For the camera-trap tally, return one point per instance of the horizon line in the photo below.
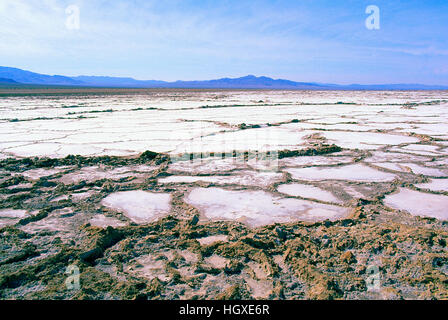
(231, 78)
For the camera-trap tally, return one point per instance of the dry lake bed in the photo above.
(196, 194)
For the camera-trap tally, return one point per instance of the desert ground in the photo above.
(200, 194)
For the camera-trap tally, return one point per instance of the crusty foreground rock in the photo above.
(375, 253)
(316, 261)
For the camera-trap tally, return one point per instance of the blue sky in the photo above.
(309, 40)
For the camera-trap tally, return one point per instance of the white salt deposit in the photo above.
(63, 221)
(97, 173)
(435, 185)
(258, 208)
(211, 165)
(139, 206)
(81, 195)
(188, 179)
(353, 192)
(391, 166)
(36, 174)
(307, 191)
(379, 156)
(354, 172)
(419, 203)
(217, 261)
(245, 178)
(421, 149)
(417, 169)
(313, 161)
(189, 256)
(212, 239)
(365, 140)
(260, 289)
(20, 186)
(261, 139)
(102, 221)
(10, 213)
(160, 125)
(60, 198)
(148, 267)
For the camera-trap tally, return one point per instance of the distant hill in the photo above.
(7, 81)
(248, 82)
(27, 77)
(19, 77)
(116, 82)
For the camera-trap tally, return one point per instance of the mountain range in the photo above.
(18, 77)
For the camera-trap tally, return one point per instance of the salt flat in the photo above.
(94, 125)
(223, 138)
(195, 192)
